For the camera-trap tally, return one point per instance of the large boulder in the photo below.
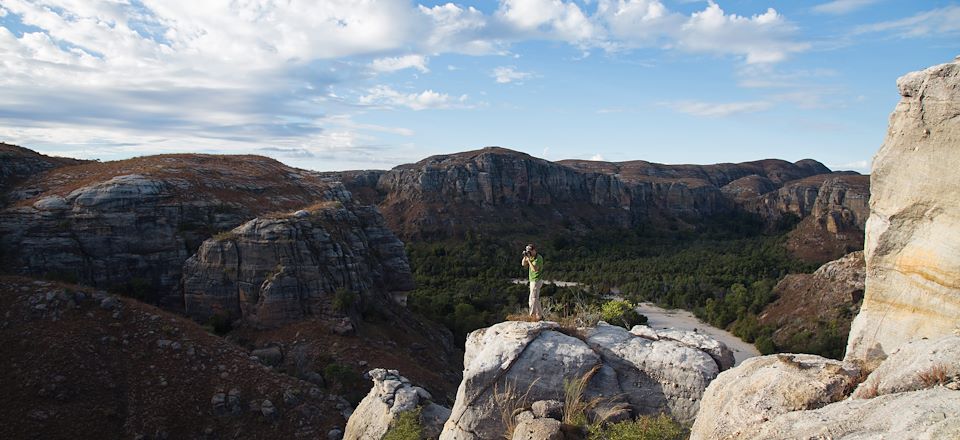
(716, 349)
(510, 365)
(273, 270)
(914, 366)
(764, 387)
(921, 415)
(390, 396)
(912, 240)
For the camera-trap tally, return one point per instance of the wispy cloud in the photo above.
(510, 74)
(393, 64)
(427, 99)
(942, 21)
(838, 7)
(718, 110)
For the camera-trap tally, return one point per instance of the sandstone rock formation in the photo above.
(719, 351)
(909, 311)
(912, 245)
(763, 387)
(391, 395)
(131, 224)
(817, 308)
(453, 193)
(277, 269)
(517, 363)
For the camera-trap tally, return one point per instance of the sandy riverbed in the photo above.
(681, 319)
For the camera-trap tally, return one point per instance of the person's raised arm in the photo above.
(525, 261)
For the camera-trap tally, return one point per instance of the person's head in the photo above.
(532, 249)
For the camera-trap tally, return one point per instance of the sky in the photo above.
(367, 84)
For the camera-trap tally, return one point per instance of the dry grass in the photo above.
(936, 375)
(511, 403)
(521, 317)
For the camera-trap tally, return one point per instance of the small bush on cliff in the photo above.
(622, 313)
(405, 427)
(661, 427)
(219, 324)
(344, 299)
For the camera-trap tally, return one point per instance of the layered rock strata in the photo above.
(273, 270)
(912, 245)
(131, 224)
(515, 362)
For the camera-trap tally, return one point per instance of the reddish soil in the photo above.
(74, 370)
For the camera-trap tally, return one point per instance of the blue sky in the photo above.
(343, 84)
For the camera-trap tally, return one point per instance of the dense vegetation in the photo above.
(723, 272)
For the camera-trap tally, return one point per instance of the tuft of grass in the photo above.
(660, 427)
(622, 313)
(574, 407)
(344, 299)
(405, 427)
(935, 375)
(511, 403)
(521, 317)
(225, 235)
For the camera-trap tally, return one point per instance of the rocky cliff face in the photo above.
(816, 309)
(274, 270)
(912, 245)
(133, 223)
(518, 363)
(494, 187)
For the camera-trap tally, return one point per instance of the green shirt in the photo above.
(535, 274)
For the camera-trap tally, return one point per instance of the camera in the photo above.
(526, 253)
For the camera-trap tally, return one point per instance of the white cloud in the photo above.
(393, 64)
(763, 38)
(862, 166)
(942, 21)
(838, 7)
(509, 74)
(427, 99)
(713, 110)
(597, 157)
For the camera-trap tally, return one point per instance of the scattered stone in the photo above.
(538, 429)
(552, 409)
(271, 356)
(109, 303)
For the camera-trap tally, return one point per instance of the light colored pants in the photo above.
(535, 309)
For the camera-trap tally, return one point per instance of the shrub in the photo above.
(220, 324)
(661, 427)
(346, 381)
(622, 313)
(344, 299)
(511, 403)
(935, 375)
(405, 427)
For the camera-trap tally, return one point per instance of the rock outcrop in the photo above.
(390, 396)
(719, 351)
(487, 188)
(912, 244)
(904, 331)
(131, 224)
(764, 387)
(516, 363)
(813, 311)
(276, 269)
(18, 163)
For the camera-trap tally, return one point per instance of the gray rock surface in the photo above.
(763, 387)
(916, 365)
(538, 429)
(919, 415)
(912, 252)
(270, 271)
(391, 395)
(716, 349)
(514, 364)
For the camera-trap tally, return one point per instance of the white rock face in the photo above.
(391, 395)
(914, 366)
(919, 415)
(534, 360)
(716, 349)
(763, 387)
(913, 233)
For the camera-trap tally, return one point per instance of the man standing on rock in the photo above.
(534, 262)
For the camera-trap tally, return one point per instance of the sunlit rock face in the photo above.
(913, 234)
